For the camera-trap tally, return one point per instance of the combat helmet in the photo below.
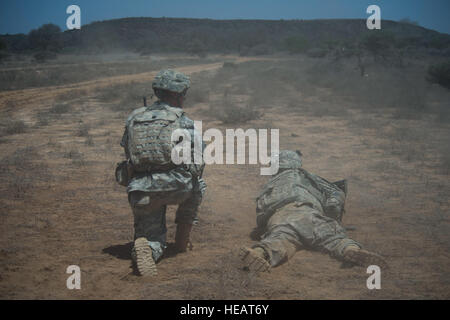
(290, 159)
(171, 80)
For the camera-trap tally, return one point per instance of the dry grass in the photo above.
(125, 97)
(72, 69)
(73, 94)
(77, 157)
(10, 127)
(197, 95)
(44, 117)
(21, 171)
(83, 130)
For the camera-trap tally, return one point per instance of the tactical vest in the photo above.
(298, 185)
(150, 138)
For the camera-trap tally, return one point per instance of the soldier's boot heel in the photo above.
(143, 257)
(254, 260)
(365, 258)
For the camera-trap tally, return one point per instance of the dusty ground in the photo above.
(60, 206)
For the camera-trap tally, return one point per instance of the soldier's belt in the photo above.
(158, 169)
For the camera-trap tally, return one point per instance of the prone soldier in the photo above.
(300, 210)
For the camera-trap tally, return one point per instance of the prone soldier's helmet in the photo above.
(289, 159)
(171, 80)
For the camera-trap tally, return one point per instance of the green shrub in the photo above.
(228, 64)
(46, 38)
(438, 41)
(378, 43)
(235, 114)
(317, 52)
(198, 48)
(440, 74)
(230, 112)
(59, 108)
(44, 56)
(296, 44)
(4, 56)
(83, 130)
(257, 50)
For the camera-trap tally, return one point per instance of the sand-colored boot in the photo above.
(182, 236)
(254, 259)
(142, 256)
(363, 257)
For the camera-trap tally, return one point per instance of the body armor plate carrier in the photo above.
(150, 138)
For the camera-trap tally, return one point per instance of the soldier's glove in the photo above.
(124, 172)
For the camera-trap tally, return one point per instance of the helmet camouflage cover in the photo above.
(289, 159)
(171, 80)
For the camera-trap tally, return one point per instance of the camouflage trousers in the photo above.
(299, 226)
(149, 210)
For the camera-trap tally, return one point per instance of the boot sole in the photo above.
(144, 259)
(365, 258)
(252, 261)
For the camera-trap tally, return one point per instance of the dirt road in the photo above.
(40, 95)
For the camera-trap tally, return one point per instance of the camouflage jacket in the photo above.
(298, 185)
(180, 177)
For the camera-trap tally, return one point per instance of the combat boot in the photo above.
(142, 256)
(363, 258)
(254, 259)
(182, 236)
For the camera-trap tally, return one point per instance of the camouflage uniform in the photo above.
(149, 193)
(297, 210)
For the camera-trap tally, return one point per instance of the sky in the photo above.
(21, 16)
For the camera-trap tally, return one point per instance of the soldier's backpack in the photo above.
(150, 137)
(286, 187)
(300, 186)
(334, 196)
